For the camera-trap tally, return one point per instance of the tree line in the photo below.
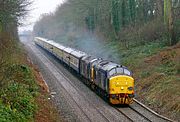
(114, 19)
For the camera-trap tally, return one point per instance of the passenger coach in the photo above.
(110, 80)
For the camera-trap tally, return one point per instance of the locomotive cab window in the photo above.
(119, 70)
(112, 72)
(127, 72)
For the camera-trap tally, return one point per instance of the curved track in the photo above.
(151, 115)
(86, 105)
(132, 114)
(139, 112)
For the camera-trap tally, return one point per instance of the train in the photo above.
(110, 80)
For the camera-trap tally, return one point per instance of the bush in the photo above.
(9, 115)
(17, 102)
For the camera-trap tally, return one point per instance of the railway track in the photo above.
(138, 106)
(72, 91)
(89, 110)
(133, 115)
(139, 112)
(130, 113)
(130, 119)
(99, 111)
(135, 112)
(102, 110)
(73, 103)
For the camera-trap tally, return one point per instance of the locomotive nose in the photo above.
(121, 89)
(121, 84)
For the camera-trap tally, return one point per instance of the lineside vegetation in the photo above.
(140, 32)
(19, 92)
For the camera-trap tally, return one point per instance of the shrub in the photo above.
(17, 96)
(18, 102)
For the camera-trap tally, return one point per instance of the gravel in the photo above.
(74, 100)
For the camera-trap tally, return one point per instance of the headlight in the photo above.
(130, 88)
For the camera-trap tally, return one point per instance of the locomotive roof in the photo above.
(110, 66)
(107, 65)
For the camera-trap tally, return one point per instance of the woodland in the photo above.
(143, 35)
(130, 22)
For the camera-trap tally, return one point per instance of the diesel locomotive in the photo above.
(112, 81)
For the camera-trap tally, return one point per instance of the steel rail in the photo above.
(76, 90)
(136, 101)
(57, 83)
(124, 114)
(151, 111)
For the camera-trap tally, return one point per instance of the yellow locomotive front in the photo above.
(121, 89)
(121, 86)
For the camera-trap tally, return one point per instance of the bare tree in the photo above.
(169, 21)
(11, 11)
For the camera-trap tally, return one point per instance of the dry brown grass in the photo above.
(159, 87)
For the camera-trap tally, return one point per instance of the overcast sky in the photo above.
(39, 7)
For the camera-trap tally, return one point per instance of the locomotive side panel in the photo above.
(100, 79)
